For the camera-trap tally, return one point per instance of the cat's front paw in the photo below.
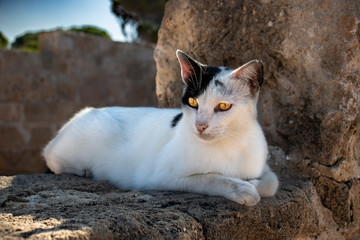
(244, 194)
(255, 182)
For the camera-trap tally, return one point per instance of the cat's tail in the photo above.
(52, 161)
(58, 164)
(64, 154)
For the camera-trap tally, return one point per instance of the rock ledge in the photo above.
(47, 206)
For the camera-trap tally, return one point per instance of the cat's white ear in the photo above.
(190, 69)
(252, 73)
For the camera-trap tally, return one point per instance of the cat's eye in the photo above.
(193, 102)
(223, 106)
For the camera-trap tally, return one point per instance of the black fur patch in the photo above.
(48, 171)
(218, 83)
(176, 119)
(195, 89)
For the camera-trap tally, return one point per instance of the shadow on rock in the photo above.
(63, 206)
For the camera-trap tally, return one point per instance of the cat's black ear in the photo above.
(252, 73)
(190, 69)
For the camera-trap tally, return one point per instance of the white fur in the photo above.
(136, 148)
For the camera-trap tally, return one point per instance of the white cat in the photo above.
(213, 145)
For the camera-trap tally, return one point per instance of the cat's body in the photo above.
(201, 148)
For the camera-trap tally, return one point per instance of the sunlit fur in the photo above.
(137, 148)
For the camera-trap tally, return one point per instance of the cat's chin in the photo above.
(207, 137)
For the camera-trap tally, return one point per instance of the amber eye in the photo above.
(193, 102)
(223, 106)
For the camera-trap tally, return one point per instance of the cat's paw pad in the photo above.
(245, 194)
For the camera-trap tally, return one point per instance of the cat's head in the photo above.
(219, 102)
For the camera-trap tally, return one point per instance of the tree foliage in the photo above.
(146, 15)
(29, 41)
(91, 30)
(3, 41)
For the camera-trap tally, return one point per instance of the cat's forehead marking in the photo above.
(224, 87)
(195, 89)
(218, 83)
(221, 84)
(219, 87)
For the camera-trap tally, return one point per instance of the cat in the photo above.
(213, 145)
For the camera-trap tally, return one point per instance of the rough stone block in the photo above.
(48, 112)
(22, 78)
(22, 160)
(81, 208)
(40, 136)
(309, 102)
(39, 91)
(10, 112)
(11, 137)
(310, 96)
(67, 89)
(6, 167)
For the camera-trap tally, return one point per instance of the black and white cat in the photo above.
(213, 145)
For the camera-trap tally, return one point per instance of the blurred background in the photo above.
(119, 20)
(57, 57)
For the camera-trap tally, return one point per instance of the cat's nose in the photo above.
(201, 127)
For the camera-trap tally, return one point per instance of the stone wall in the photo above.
(310, 100)
(40, 91)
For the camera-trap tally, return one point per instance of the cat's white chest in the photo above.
(184, 156)
(231, 161)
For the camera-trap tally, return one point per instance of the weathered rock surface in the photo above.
(48, 206)
(310, 99)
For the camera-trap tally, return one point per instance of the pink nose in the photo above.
(201, 127)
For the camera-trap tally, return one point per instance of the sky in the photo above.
(20, 16)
